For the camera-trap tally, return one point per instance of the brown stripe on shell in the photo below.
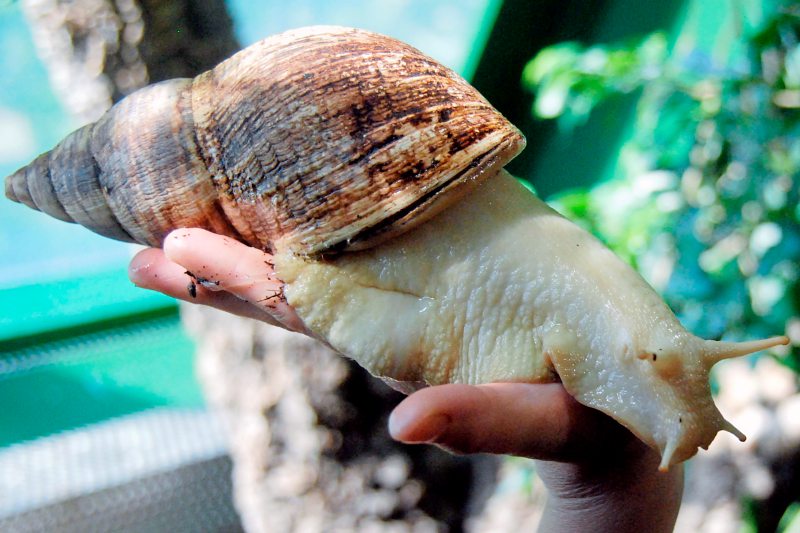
(154, 177)
(43, 194)
(235, 170)
(76, 181)
(351, 128)
(127, 151)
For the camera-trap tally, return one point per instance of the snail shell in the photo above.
(314, 140)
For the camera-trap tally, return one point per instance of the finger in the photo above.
(150, 269)
(221, 263)
(538, 421)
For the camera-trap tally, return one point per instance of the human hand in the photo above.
(599, 476)
(201, 267)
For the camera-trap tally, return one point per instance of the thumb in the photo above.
(540, 421)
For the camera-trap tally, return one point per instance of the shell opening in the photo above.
(483, 166)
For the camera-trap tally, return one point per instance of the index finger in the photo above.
(221, 263)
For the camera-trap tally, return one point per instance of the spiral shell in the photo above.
(315, 140)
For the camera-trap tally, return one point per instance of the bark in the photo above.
(90, 49)
(309, 436)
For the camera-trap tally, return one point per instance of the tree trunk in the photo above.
(309, 437)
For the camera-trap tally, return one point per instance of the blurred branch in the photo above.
(97, 51)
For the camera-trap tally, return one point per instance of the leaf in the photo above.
(548, 62)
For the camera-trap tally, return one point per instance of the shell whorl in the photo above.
(316, 139)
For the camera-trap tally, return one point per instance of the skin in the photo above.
(599, 476)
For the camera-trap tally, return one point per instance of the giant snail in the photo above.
(375, 175)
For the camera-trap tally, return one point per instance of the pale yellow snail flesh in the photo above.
(500, 287)
(375, 176)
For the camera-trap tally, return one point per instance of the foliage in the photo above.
(790, 523)
(571, 81)
(705, 202)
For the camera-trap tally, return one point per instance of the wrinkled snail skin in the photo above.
(500, 287)
(375, 176)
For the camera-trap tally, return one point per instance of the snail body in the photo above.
(500, 287)
(375, 177)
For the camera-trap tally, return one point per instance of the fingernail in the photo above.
(405, 429)
(135, 271)
(175, 242)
